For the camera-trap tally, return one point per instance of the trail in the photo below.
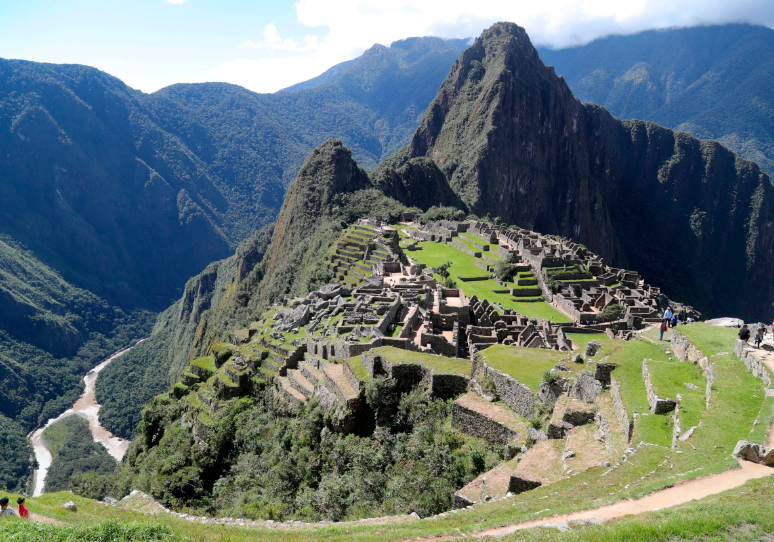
(698, 488)
(87, 407)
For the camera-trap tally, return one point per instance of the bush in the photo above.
(612, 312)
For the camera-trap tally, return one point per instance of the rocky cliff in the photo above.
(513, 141)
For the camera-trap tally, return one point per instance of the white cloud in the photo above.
(272, 40)
(355, 25)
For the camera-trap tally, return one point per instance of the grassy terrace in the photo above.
(741, 513)
(355, 363)
(527, 365)
(669, 378)
(439, 364)
(709, 339)
(628, 373)
(583, 339)
(463, 265)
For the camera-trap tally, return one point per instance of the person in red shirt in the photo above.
(23, 512)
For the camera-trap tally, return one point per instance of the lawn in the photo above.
(438, 364)
(356, 364)
(527, 365)
(710, 339)
(463, 265)
(669, 378)
(583, 339)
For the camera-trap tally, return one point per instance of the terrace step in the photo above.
(336, 378)
(289, 390)
(299, 382)
(474, 415)
(312, 373)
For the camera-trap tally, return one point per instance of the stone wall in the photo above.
(386, 320)
(439, 344)
(753, 361)
(626, 422)
(516, 395)
(476, 424)
(350, 376)
(445, 386)
(685, 350)
(657, 404)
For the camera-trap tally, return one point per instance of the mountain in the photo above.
(330, 192)
(714, 82)
(111, 199)
(128, 195)
(511, 140)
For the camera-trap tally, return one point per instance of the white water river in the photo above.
(87, 407)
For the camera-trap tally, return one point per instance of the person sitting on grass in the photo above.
(23, 512)
(5, 510)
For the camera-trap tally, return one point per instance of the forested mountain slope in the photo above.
(128, 195)
(513, 141)
(714, 82)
(330, 192)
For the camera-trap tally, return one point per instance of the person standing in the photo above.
(759, 333)
(668, 313)
(23, 512)
(662, 329)
(5, 510)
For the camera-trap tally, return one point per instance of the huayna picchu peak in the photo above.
(493, 327)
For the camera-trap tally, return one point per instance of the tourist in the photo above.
(759, 333)
(6, 510)
(663, 329)
(23, 512)
(674, 320)
(744, 333)
(668, 314)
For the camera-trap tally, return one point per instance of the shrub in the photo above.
(612, 312)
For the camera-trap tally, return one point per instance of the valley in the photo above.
(418, 296)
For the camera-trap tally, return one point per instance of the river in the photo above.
(87, 407)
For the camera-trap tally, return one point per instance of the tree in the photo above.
(443, 272)
(612, 312)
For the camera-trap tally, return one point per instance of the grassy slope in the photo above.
(463, 265)
(439, 364)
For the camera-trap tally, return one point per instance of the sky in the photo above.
(269, 45)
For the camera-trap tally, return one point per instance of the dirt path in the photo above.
(690, 490)
(87, 407)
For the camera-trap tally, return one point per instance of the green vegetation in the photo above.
(527, 365)
(627, 75)
(711, 340)
(436, 254)
(74, 452)
(439, 364)
(612, 312)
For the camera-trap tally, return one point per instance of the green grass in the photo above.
(395, 332)
(439, 364)
(709, 339)
(206, 362)
(628, 358)
(356, 364)
(760, 432)
(583, 339)
(436, 254)
(669, 378)
(527, 365)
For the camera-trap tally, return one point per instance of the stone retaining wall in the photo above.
(519, 397)
(685, 350)
(476, 424)
(620, 410)
(657, 404)
(753, 361)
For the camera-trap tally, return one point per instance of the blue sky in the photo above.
(268, 45)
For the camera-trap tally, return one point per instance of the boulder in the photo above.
(602, 372)
(298, 317)
(592, 348)
(725, 322)
(577, 358)
(110, 501)
(329, 291)
(549, 393)
(757, 453)
(587, 388)
(70, 505)
(536, 435)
